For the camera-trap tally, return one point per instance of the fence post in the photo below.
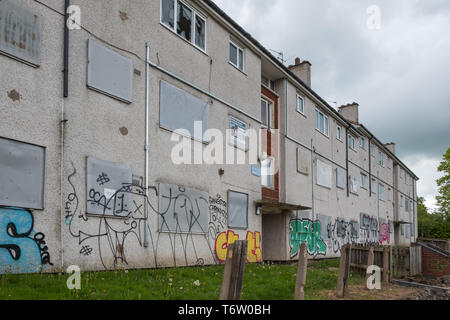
(301, 273)
(386, 264)
(344, 270)
(370, 260)
(233, 275)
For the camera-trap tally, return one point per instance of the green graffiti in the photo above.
(439, 265)
(306, 231)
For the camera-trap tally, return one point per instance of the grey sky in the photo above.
(399, 74)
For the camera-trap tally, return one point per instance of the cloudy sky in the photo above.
(399, 73)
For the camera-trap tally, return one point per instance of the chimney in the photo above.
(350, 112)
(391, 146)
(302, 70)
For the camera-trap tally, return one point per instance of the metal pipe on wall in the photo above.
(147, 147)
(66, 50)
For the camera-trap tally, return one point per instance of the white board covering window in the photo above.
(340, 178)
(237, 210)
(303, 161)
(324, 174)
(354, 185)
(182, 210)
(381, 192)
(181, 110)
(22, 174)
(109, 72)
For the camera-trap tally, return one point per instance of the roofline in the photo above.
(286, 70)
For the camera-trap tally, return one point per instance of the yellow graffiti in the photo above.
(224, 239)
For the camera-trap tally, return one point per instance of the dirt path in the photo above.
(387, 292)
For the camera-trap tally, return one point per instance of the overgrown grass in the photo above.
(261, 281)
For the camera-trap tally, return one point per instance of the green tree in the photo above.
(443, 198)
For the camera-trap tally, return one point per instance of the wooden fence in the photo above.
(360, 257)
(406, 261)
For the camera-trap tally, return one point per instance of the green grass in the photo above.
(261, 281)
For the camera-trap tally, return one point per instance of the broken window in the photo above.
(237, 132)
(168, 13)
(200, 32)
(363, 181)
(354, 185)
(237, 210)
(184, 21)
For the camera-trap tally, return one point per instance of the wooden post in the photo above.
(301, 273)
(344, 270)
(386, 264)
(370, 261)
(233, 275)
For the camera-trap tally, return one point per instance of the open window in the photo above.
(185, 21)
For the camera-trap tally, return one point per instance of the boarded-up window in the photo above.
(325, 221)
(237, 210)
(324, 174)
(354, 184)
(107, 192)
(109, 72)
(20, 33)
(182, 210)
(340, 178)
(22, 174)
(303, 161)
(181, 110)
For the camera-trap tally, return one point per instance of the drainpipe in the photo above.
(147, 147)
(65, 94)
(66, 50)
(346, 160)
(312, 181)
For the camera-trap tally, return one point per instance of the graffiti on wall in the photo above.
(341, 232)
(370, 232)
(385, 233)
(218, 216)
(224, 239)
(309, 232)
(22, 250)
(111, 238)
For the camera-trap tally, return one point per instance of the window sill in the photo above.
(185, 40)
(302, 113)
(322, 133)
(241, 71)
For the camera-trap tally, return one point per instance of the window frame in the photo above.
(339, 130)
(238, 49)
(363, 185)
(235, 140)
(271, 161)
(269, 115)
(195, 14)
(363, 140)
(228, 210)
(381, 158)
(298, 96)
(351, 145)
(317, 122)
(381, 195)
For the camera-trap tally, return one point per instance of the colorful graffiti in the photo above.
(370, 232)
(341, 232)
(224, 239)
(22, 250)
(306, 231)
(385, 233)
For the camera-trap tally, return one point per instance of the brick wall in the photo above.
(434, 264)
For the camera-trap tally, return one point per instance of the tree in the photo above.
(443, 199)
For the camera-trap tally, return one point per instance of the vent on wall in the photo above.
(109, 72)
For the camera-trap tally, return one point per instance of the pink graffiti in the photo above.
(385, 233)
